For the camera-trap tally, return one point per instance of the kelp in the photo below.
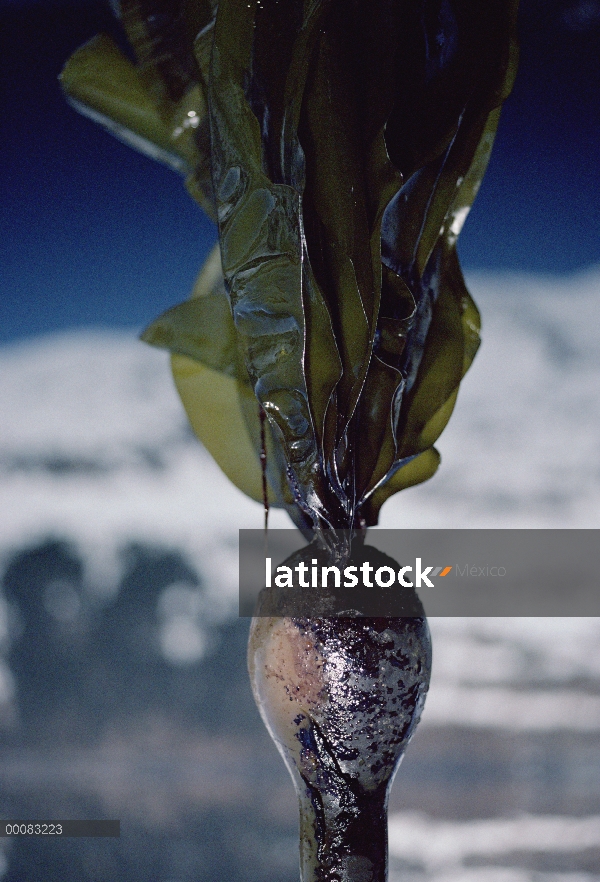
(339, 145)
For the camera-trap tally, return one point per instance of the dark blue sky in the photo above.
(94, 234)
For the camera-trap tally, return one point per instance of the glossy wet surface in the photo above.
(100, 724)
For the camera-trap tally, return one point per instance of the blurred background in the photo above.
(123, 691)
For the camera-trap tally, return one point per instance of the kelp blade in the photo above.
(346, 145)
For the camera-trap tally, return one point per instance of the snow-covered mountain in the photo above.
(95, 453)
(95, 448)
(94, 442)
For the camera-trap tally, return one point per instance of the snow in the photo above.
(94, 448)
(440, 846)
(94, 441)
(523, 446)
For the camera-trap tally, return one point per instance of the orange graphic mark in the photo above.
(445, 571)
